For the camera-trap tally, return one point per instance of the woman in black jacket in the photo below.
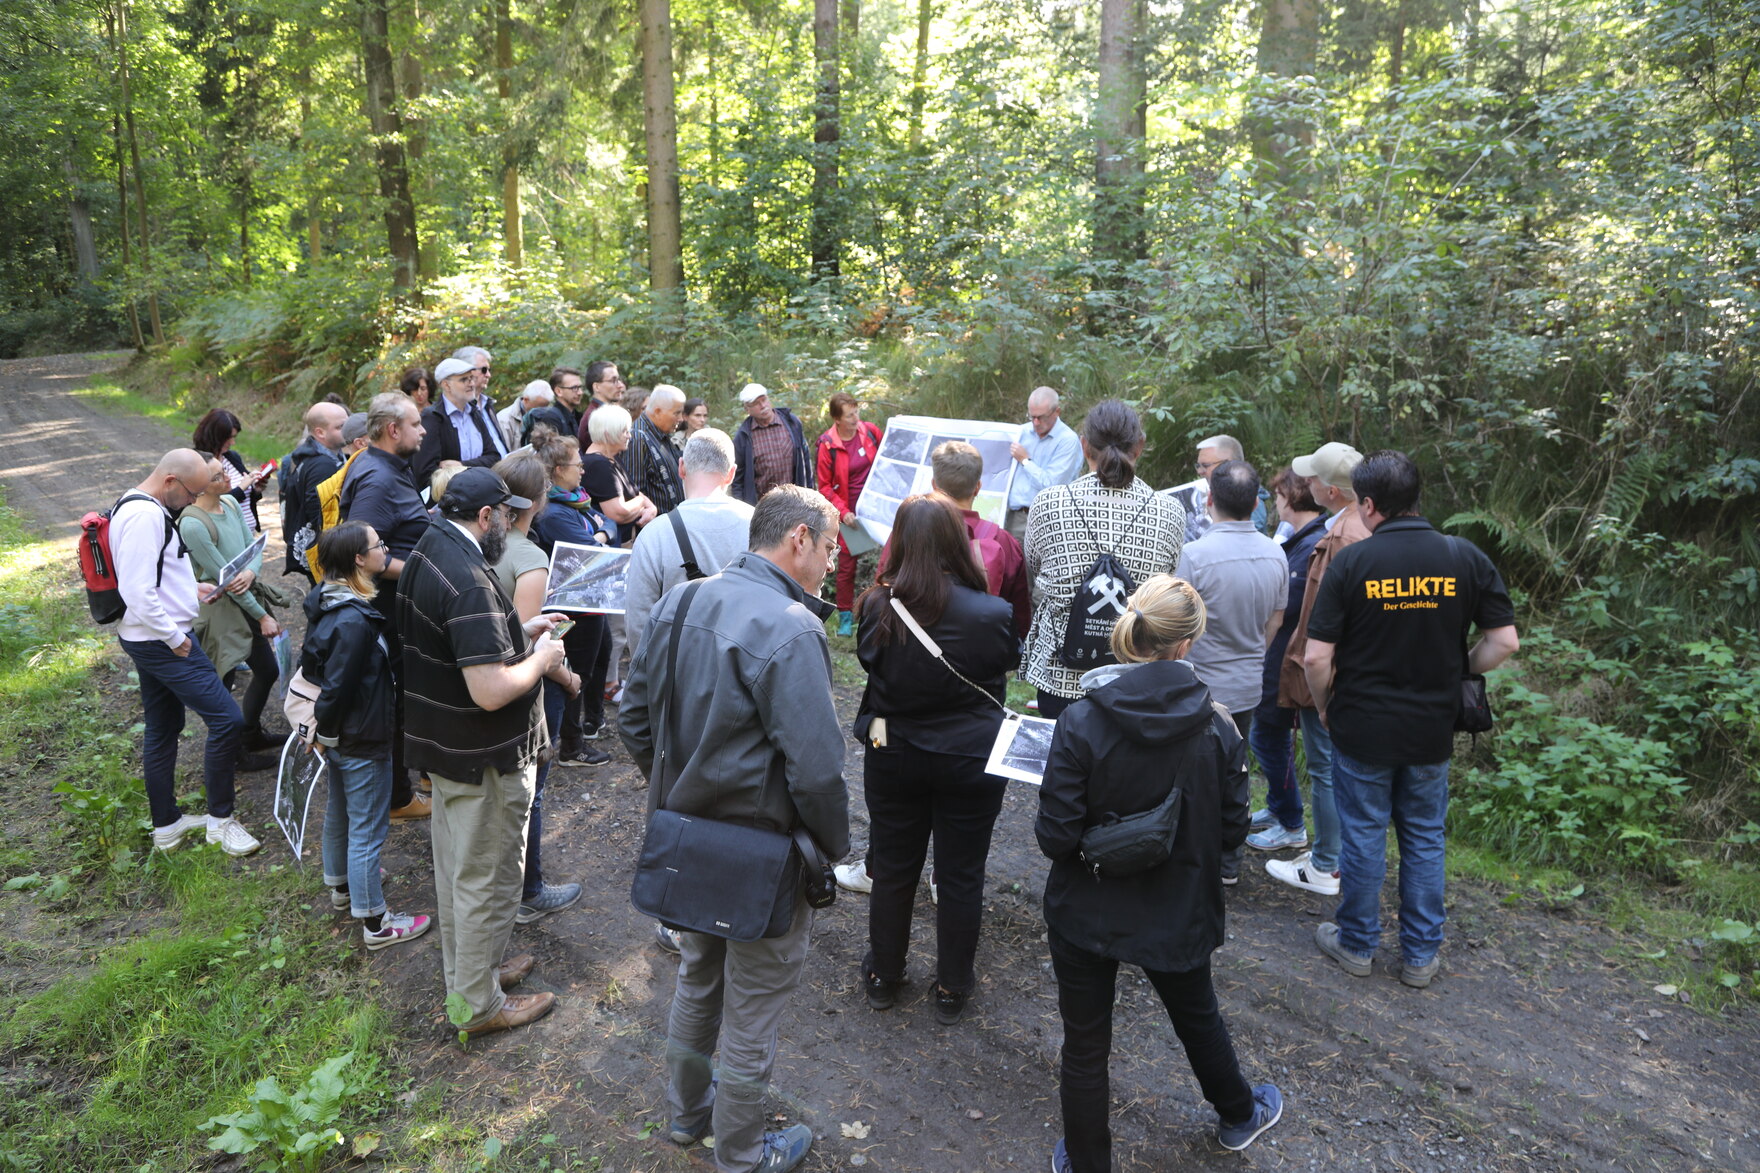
(346, 659)
(1145, 726)
(928, 735)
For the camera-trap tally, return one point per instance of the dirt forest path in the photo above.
(1541, 1046)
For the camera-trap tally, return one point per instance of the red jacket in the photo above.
(1005, 567)
(833, 462)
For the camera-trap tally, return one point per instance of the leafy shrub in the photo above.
(288, 1133)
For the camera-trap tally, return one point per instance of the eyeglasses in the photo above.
(382, 544)
(1040, 417)
(1204, 466)
(482, 370)
(571, 387)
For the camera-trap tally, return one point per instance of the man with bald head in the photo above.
(158, 586)
(1048, 452)
(317, 457)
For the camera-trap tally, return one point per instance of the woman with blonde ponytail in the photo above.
(1145, 726)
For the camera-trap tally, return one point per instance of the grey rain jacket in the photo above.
(754, 737)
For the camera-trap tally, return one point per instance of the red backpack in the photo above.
(98, 567)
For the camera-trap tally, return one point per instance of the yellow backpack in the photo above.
(329, 512)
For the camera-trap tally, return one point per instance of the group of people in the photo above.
(1169, 649)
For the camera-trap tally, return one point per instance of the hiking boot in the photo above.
(1355, 964)
(394, 929)
(171, 834)
(1262, 820)
(1277, 839)
(949, 1006)
(230, 834)
(518, 1010)
(1267, 1110)
(684, 1138)
(514, 970)
(550, 898)
(853, 877)
(668, 939)
(784, 1150)
(1299, 873)
(1418, 976)
(420, 807)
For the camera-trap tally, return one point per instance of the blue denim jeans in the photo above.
(1415, 799)
(170, 685)
(1273, 740)
(356, 822)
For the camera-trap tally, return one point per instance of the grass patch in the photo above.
(155, 390)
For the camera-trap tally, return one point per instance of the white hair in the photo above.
(539, 390)
(709, 450)
(1043, 396)
(1227, 445)
(665, 395)
(608, 424)
(471, 354)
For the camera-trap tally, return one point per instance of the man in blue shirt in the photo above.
(1048, 452)
(457, 425)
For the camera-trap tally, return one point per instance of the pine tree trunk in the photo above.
(1120, 115)
(825, 134)
(387, 128)
(134, 317)
(79, 222)
(660, 121)
(512, 216)
(140, 187)
(920, 74)
(1289, 40)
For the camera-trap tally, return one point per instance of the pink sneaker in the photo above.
(394, 929)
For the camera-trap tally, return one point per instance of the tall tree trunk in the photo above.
(387, 127)
(134, 317)
(1120, 115)
(851, 18)
(512, 217)
(1396, 50)
(825, 229)
(79, 222)
(1289, 40)
(244, 230)
(415, 128)
(309, 171)
(140, 187)
(660, 122)
(920, 74)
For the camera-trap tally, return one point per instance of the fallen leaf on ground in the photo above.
(855, 1131)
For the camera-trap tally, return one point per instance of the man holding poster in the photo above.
(1048, 452)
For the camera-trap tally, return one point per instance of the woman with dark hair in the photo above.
(569, 516)
(235, 629)
(215, 432)
(345, 657)
(692, 419)
(417, 383)
(928, 725)
(523, 572)
(1145, 729)
(846, 453)
(1108, 511)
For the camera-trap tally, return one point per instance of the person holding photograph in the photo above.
(1145, 727)
(348, 660)
(928, 726)
(215, 433)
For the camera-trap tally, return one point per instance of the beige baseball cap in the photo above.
(1332, 463)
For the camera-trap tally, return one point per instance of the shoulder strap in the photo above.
(207, 519)
(689, 556)
(164, 543)
(934, 649)
(661, 726)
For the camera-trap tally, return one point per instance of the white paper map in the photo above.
(902, 467)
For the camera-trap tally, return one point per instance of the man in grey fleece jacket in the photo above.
(753, 737)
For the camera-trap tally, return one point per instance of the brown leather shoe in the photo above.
(518, 1010)
(420, 807)
(515, 970)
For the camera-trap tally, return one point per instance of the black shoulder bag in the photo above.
(705, 875)
(1123, 845)
(1475, 711)
(687, 556)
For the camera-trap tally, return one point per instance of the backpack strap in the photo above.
(170, 530)
(688, 555)
(661, 732)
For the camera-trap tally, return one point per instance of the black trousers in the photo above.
(1231, 860)
(403, 788)
(588, 649)
(914, 795)
(1086, 988)
(264, 672)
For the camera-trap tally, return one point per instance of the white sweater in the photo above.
(137, 542)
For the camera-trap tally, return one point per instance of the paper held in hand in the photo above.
(242, 561)
(589, 579)
(1021, 749)
(295, 783)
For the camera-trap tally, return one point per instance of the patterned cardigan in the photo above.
(1144, 529)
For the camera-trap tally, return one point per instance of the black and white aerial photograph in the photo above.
(1025, 750)
(586, 578)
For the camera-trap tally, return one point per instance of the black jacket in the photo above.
(926, 706)
(306, 466)
(745, 477)
(345, 657)
(440, 442)
(1119, 750)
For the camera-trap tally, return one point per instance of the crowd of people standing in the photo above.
(1172, 651)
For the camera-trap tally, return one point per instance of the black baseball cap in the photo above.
(473, 488)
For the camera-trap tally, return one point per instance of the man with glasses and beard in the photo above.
(474, 721)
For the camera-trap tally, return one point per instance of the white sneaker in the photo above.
(1299, 873)
(853, 877)
(230, 834)
(934, 888)
(167, 837)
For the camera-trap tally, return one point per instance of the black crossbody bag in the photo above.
(705, 875)
(1475, 715)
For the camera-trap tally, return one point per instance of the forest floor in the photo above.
(1542, 1045)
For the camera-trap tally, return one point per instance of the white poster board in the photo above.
(901, 469)
(295, 783)
(589, 579)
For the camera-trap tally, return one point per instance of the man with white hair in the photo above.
(651, 458)
(1048, 452)
(457, 424)
(706, 532)
(769, 449)
(511, 419)
(1195, 494)
(479, 360)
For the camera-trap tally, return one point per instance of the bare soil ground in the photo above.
(1541, 1046)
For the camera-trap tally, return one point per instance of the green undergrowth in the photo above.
(155, 389)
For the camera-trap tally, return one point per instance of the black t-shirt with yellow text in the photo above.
(1397, 605)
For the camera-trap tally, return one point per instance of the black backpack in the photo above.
(1100, 599)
